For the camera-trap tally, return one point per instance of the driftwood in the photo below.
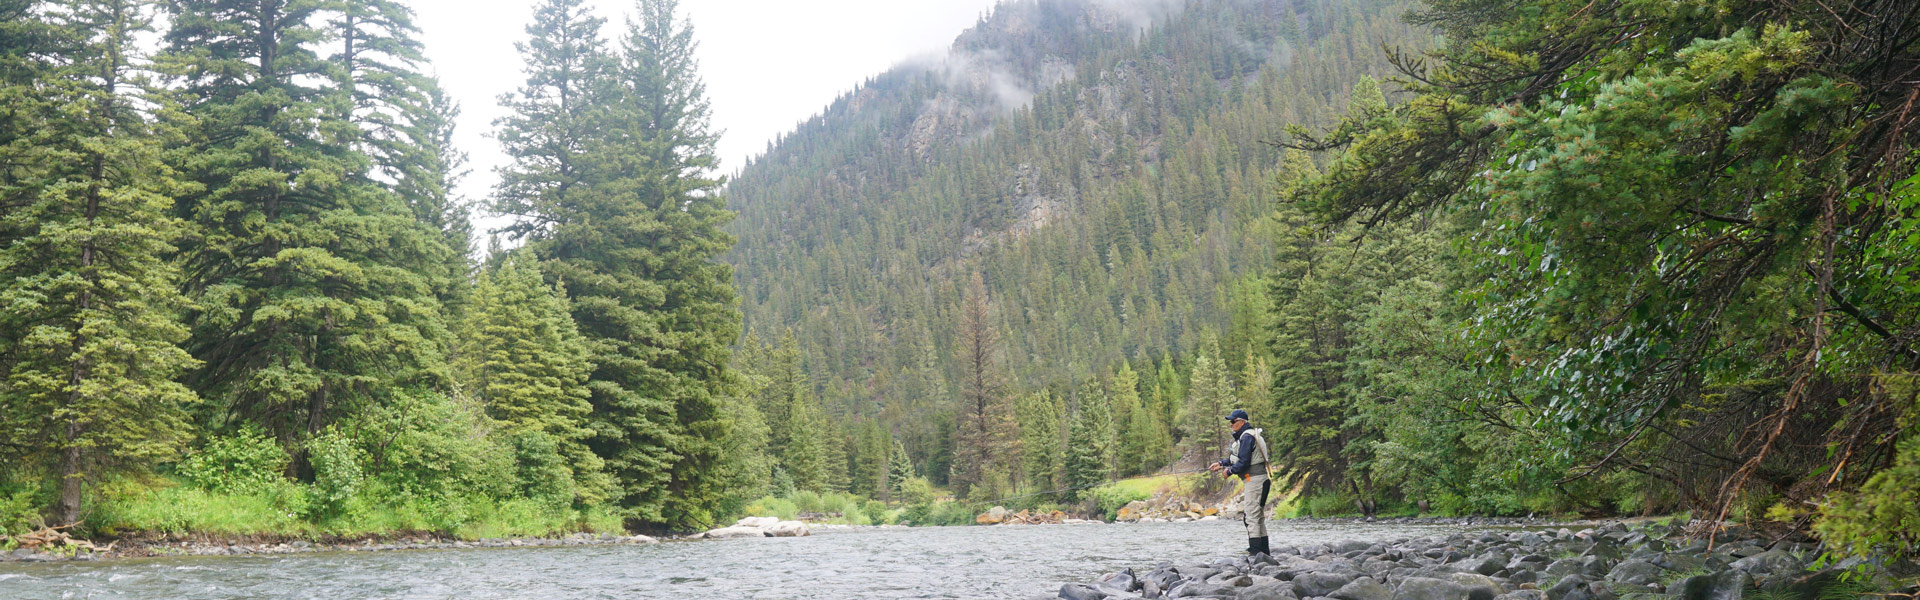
(53, 537)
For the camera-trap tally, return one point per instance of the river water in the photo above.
(1016, 562)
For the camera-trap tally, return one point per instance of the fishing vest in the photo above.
(1259, 455)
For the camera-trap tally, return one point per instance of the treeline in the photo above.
(1615, 258)
(236, 277)
(1117, 216)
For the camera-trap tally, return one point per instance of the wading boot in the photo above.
(1257, 546)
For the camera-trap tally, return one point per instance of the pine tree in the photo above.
(899, 469)
(1040, 452)
(302, 268)
(89, 359)
(1083, 464)
(1142, 439)
(985, 430)
(805, 459)
(612, 155)
(1207, 402)
(1096, 408)
(529, 365)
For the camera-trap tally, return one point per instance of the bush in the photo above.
(1108, 499)
(541, 473)
(876, 511)
(244, 462)
(337, 473)
(917, 490)
(1327, 504)
(780, 508)
(18, 510)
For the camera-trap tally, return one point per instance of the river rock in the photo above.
(993, 516)
(1193, 589)
(1319, 583)
(1636, 572)
(1428, 588)
(1364, 588)
(1725, 585)
(733, 532)
(1479, 587)
(1075, 591)
(788, 529)
(1277, 590)
(761, 522)
(1769, 562)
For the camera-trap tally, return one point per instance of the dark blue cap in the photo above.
(1237, 414)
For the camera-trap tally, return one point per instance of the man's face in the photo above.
(1236, 424)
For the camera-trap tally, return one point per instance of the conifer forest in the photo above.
(1456, 257)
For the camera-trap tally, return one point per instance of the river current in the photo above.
(1012, 562)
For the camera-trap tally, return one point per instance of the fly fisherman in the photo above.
(1247, 459)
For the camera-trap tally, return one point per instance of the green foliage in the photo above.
(338, 472)
(918, 491)
(1039, 415)
(19, 509)
(1108, 499)
(611, 177)
(241, 462)
(89, 354)
(1882, 518)
(1085, 464)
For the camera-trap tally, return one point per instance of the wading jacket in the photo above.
(1247, 455)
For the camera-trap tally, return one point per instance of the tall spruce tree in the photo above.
(899, 469)
(1040, 452)
(301, 267)
(1207, 401)
(612, 155)
(985, 430)
(89, 359)
(529, 366)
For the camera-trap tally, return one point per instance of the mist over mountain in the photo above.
(1106, 167)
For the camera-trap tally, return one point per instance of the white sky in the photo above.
(768, 64)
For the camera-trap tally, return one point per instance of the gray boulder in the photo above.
(1428, 588)
(1571, 587)
(1479, 587)
(1768, 563)
(1364, 588)
(1482, 565)
(1522, 595)
(1725, 585)
(734, 532)
(1279, 590)
(1636, 572)
(1202, 589)
(1075, 591)
(1320, 583)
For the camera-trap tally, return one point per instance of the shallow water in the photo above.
(927, 562)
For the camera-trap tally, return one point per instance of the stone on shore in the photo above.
(733, 532)
(788, 529)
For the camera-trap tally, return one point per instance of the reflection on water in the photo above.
(929, 562)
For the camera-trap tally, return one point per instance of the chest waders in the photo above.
(1258, 482)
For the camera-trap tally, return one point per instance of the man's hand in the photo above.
(1215, 467)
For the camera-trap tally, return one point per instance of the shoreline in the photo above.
(1612, 560)
(200, 544)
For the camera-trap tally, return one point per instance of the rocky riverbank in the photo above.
(204, 545)
(1609, 562)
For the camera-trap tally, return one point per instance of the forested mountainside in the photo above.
(1108, 176)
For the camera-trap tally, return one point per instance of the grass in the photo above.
(170, 508)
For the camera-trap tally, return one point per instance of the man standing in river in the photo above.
(1247, 459)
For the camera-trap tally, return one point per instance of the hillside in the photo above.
(1106, 167)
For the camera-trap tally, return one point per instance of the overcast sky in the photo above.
(768, 64)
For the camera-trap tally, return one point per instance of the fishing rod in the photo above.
(1095, 485)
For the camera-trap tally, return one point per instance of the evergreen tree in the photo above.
(899, 469)
(530, 366)
(1142, 439)
(610, 176)
(1083, 464)
(302, 269)
(1096, 408)
(1207, 402)
(89, 359)
(1040, 452)
(985, 430)
(805, 459)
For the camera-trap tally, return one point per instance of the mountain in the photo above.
(1106, 166)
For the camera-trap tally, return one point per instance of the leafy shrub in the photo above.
(542, 474)
(917, 490)
(428, 448)
(245, 461)
(337, 473)
(876, 511)
(18, 509)
(780, 508)
(1327, 504)
(1108, 499)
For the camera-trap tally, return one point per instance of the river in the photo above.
(1014, 562)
